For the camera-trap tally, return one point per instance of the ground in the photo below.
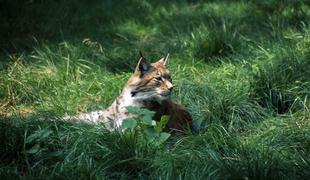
(241, 68)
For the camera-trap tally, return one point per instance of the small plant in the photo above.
(151, 130)
(35, 139)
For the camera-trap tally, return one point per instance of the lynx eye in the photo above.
(159, 78)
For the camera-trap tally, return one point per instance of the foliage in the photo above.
(143, 123)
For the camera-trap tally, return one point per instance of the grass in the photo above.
(240, 67)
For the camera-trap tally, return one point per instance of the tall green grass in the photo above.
(240, 67)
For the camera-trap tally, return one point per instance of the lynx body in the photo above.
(149, 85)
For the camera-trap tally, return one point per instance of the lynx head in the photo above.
(151, 81)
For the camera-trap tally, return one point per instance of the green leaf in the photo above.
(147, 120)
(163, 136)
(133, 110)
(139, 111)
(147, 112)
(129, 123)
(34, 149)
(151, 134)
(37, 135)
(159, 127)
(46, 133)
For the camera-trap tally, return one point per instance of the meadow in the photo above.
(241, 67)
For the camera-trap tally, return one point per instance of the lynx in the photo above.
(150, 87)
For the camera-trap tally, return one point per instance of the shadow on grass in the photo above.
(52, 22)
(282, 86)
(42, 145)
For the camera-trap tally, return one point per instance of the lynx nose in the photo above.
(169, 86)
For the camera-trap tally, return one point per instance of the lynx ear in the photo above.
(164, 60)
(143, 66)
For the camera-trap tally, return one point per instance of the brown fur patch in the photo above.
(180, 118)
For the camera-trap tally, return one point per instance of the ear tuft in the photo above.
(164, 60)
(141, 54)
